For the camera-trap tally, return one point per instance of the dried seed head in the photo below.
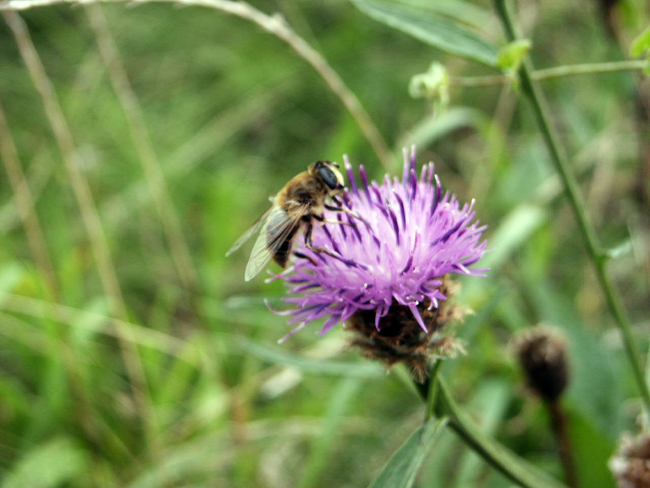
(631, 464)
(541, 352)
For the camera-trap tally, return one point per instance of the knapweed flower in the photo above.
(387, 273)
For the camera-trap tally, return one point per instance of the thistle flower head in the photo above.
(389, 255)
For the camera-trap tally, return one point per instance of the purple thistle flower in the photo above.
(395, 256)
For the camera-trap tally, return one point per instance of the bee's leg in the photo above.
(298, 254)
(310, 246)
(337, 222)
(339, 207)
(323, 220)
(334, 208)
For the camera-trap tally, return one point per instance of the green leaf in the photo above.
(492, 399)
(463, 12)
(512, 55)
(641, 44)
(591, 450)
(363, 369)
(403, 466)
(320, 453)
(623, 249)
(436, 30)
(51, 464)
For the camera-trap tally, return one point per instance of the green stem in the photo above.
(499, 457)
(555, 72)
(590, 68)
(428, 390)
(532, 91)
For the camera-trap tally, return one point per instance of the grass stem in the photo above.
(89, 215)
(534, 94)
(179, 249)
(25, 203)
(274, 24)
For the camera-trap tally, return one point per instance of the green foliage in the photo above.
(188, 387)
(512, 55)
(432, 85)
(444, 32)
(52, 463)
(403, 466)
(641, 44)
(640, 47)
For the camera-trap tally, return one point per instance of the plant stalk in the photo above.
(498, 456)
(532, 91)
(555, 72)
(559, 426)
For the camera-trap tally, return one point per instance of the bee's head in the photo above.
(327, 172)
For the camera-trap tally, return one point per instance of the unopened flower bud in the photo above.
(541, 352)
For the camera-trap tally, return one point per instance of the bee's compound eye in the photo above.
(330, 178)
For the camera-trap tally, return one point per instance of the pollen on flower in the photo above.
(389, 275)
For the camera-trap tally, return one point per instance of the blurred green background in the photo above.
(135, 355)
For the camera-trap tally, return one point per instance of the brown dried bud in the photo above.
(542, 355)
(631, 464)
(401, 339)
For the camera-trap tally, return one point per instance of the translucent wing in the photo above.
(278, 227)
(249, 233)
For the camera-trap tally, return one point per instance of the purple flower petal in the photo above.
(415, 235)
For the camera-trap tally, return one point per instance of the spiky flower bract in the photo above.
(391, 257)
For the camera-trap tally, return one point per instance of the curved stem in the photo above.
(532, 91)
(276, 25)
(498, 456)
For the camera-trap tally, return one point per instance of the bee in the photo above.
(301, 202)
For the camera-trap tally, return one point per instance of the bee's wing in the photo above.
(279, 224)
(249, 233)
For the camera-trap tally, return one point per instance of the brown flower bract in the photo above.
(401, 339)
